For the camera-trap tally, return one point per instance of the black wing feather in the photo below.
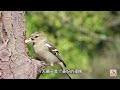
(54, 51)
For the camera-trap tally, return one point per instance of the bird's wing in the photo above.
(54, 51)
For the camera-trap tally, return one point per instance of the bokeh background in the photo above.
(86, 40)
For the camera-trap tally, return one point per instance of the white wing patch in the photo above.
(55, 50)
(48, 45)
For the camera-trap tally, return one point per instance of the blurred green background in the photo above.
(86, 40)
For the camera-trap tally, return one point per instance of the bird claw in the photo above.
(43, 64)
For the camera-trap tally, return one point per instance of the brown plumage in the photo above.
(45, 50)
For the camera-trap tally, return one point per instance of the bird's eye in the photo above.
(32, 39)
(36, 36)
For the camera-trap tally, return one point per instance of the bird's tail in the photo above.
(68, 75)
(62, 67)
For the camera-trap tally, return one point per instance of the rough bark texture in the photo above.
(14, 61)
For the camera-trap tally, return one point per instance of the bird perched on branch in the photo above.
(45, 50)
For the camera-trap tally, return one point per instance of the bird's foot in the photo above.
(43, 64)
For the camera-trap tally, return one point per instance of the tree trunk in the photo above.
(14, 61)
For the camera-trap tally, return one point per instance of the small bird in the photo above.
(45, 50)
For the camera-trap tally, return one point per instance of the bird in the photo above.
(46, 51)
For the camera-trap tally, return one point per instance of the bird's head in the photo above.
(35, 37)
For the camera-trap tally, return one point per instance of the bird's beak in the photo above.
(28, 40)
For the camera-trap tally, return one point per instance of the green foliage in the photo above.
(83, 38)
